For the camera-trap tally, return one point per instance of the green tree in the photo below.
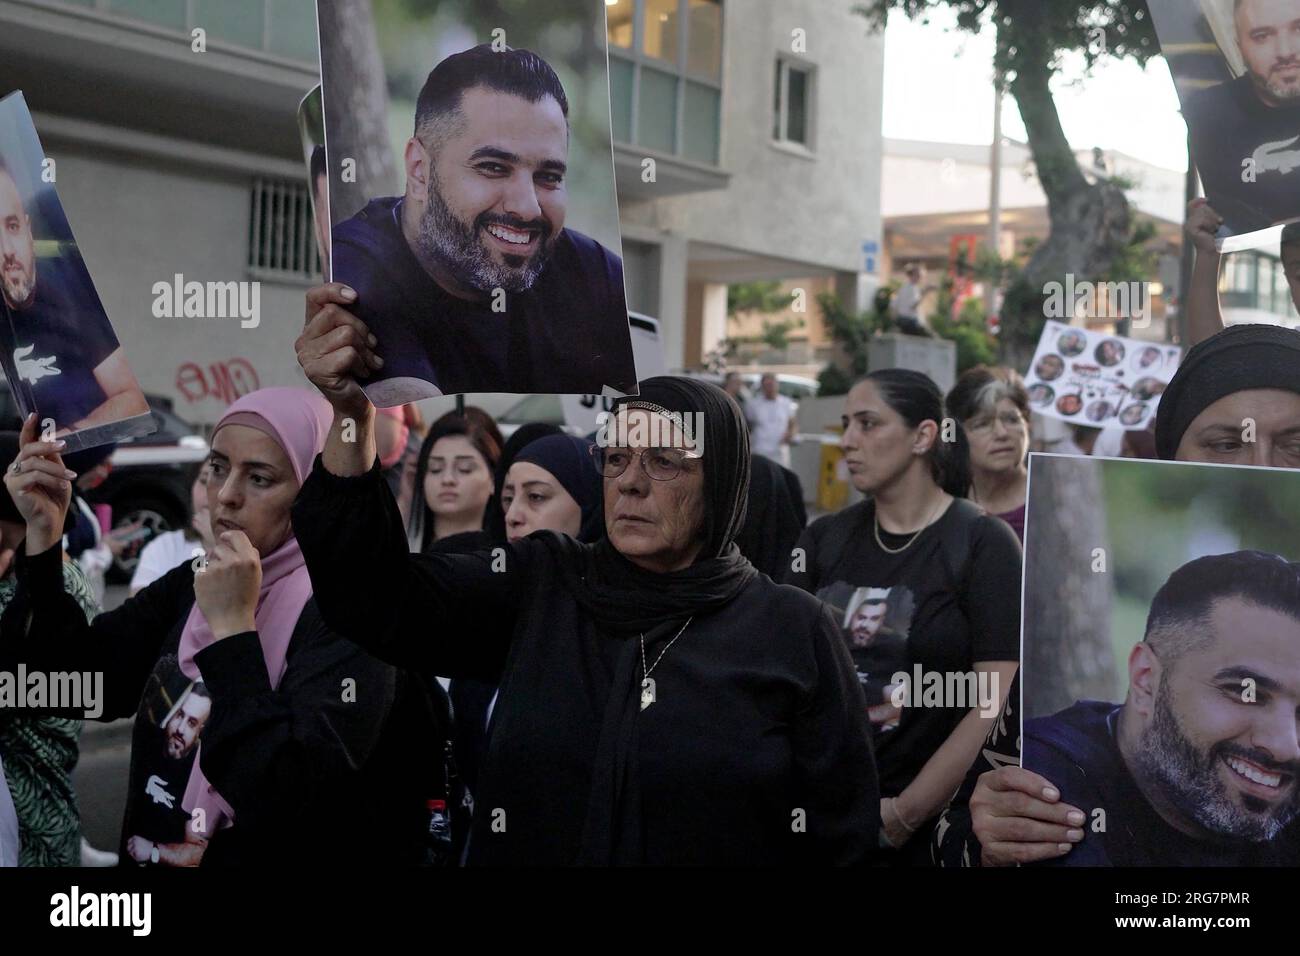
(851, 332)
(764, 297)
(1090, 223)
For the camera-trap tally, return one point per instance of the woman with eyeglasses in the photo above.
(661, 702)
(993, 408)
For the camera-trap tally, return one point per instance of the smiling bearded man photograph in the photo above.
(471, 281)
(1199, 766)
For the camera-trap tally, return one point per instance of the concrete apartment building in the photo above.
(762, 118)
(171, 161)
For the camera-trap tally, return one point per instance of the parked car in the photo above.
(149, 482)
(792, 386)
(532, 408)
(548, 409)
(149, 477)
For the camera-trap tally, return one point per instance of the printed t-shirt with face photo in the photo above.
(165, 744)
(52, 347)
(875, 623)
(1229, 124)
(954, 622)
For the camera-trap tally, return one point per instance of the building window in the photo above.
(665, 72)
(281, 231)
(284, 28)
(792, 103)
(1256, 280)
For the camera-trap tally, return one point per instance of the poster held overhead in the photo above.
(497, 265)
(1236, 65)
(58, 349)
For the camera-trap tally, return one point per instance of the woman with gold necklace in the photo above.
(917, 561)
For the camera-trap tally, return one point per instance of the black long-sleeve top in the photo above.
(756, 750)
(332, 765)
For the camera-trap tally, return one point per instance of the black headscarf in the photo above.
(626, 600)
(775, 519)
(1240, 357)
(568, 460)
(494, 519)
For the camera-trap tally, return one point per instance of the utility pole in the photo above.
(1191, 189)
(995, 190)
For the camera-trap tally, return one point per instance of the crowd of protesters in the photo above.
(384, 644)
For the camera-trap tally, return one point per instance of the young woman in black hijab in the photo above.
(494, 522)
(661, 702)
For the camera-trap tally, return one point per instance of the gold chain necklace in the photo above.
(875, 521)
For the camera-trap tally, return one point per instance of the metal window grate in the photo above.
(282, 237)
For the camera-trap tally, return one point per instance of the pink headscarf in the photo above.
(298, 421)
(394, 454)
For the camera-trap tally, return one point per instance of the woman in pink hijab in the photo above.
(260, 736)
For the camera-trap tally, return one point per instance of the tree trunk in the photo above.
(1090, 223)
(356, 106)
(1067, 650)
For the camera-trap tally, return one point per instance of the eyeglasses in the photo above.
(661, 464)
(1012, 421)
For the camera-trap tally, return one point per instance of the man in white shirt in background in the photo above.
(8, 824)
(907, 304)
(773, 426)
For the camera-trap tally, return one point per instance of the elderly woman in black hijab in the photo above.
(661, 702)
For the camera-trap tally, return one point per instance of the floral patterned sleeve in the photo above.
(953, 842)
(39, 755)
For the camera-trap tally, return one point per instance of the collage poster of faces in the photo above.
(1087, 378)
(1236, 65)
(60, 356)
(487, 255)
(1166, 711)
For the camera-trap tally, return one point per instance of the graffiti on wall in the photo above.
(223, 381)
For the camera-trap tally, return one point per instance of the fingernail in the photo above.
(60, 444)
(69, 473)
(379, 363)
(1064, 847)
(348, 292)
(1075, 835)
(1051, 793)
(372, 341)
(1075, 817)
